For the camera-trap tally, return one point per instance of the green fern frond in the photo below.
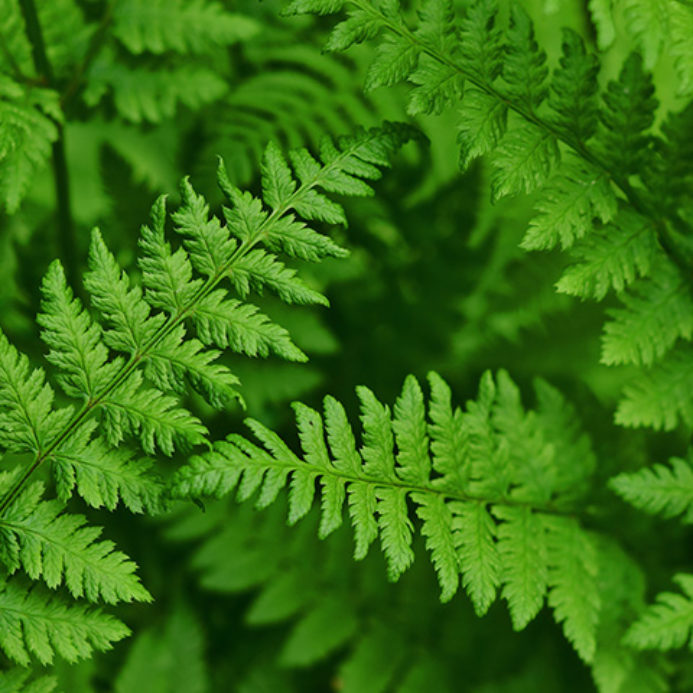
(661, 397)
(59, 548)
(611, 258)
(29, 117)
(19, 680)
(43, 626)
(128, 363)
(628, 114)
(103, 476)
(657, 313)
(27, 417)
(145, 95)
(183, 27)
(659, 490)
(668, 623)
(492, 523)
(167, 657)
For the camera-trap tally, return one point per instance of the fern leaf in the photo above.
(168, 656)
(134, 409)
(483, 122)
(659, 490)
(612, 258)
(667, 623)
(481, 41)
(574, 591)
(183, 27)
(75, 341)
(207, 242)
(479, 560)
(523, 551)
(27, 416)
(396, 531)
(18, 680)
(494, 534)
(573, 94)
(409, 426)
(436, 84)
(29, 127)
(395, 60)
(34, 624)
(166, 275)
(121, 306)
(657, 313)
(242, 327)
(437, 528)
(143, 95)
(568, 205)
(629, 113)
(175, 361)
(260, 269)
(661, 397)
(103, 476)
(329, 624)
(524, 67)
(59, 548)
(378, 441)
(523, 160)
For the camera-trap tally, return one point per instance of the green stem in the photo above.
(66, 234)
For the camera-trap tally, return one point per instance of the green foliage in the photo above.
(129, 362)
(563, 129)
(485, 515)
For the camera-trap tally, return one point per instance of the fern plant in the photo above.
(496, 491)
(128, 368)
(588, 162)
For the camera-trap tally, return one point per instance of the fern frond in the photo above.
(145, 95)
(171, 656)
(629, 113)
(19, 680)
(657, 313)
(659, 490)
(43, 626)
(58, 547)
(666, 624)
(182, 27)
(29, 117)
(612, 258)
(103, 476)
(137, 393)
(492, 524)
(27, 417)
(133, 409)
(74, 339)
(661, 397)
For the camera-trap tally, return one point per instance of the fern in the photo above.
(40, 625)
(18, 680)
(194, 27)
(663, 490)
(129, 361)
(490, 514)
(29, 127)
(605, 183)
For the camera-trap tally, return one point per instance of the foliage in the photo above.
(540, 227)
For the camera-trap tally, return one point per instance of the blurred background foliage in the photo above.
(435, 280)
